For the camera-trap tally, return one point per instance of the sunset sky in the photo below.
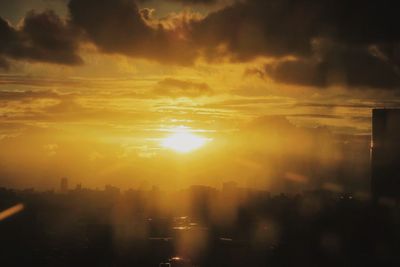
(276, 93)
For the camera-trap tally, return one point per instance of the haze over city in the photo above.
(91, 90)
(235, 122)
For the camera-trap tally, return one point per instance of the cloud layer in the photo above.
(42, 37)
(179, 88)
(313, 43)
(355, 41)
(120, 27)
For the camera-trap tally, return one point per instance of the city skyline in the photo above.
(199, 133)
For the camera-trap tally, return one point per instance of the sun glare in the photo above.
(183, 141)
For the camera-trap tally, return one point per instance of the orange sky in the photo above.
(92, 97)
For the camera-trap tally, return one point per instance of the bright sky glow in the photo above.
(183, 141)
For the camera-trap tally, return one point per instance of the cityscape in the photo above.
(199, 133)
(205, 226)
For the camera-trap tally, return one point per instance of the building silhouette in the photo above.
(385, 154)
(64, 185)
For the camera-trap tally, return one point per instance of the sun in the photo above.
(183, 141)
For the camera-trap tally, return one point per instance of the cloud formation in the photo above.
(119, 27)
(359, 45)
(349, 66)
(354, 43)
(42, 37)
(178, 88)
(313, 43)
(4, 64)
(196, 1)
(188, 2)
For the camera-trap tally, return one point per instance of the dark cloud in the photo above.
(178, 88)
(344, 65)
(359, 21)
(208, 2)
(119, 27)
(187, 2)
(196, 2)
(248, 29)
(42, 37)
(4, 64)
(362, 51)
(7, 34)
(282, 28)
(286, 27)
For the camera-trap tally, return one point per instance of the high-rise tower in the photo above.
(385, 154)
(64, 185)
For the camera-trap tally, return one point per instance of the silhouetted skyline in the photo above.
(199, 133)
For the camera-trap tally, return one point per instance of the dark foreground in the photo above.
(197, 227)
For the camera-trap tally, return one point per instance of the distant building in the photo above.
(112, 190)
(64, 185)
(385, 154)
(229, 187)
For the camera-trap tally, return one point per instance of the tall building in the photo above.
(64, 185)
(385, 154)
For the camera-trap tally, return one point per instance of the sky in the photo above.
(281, 90)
